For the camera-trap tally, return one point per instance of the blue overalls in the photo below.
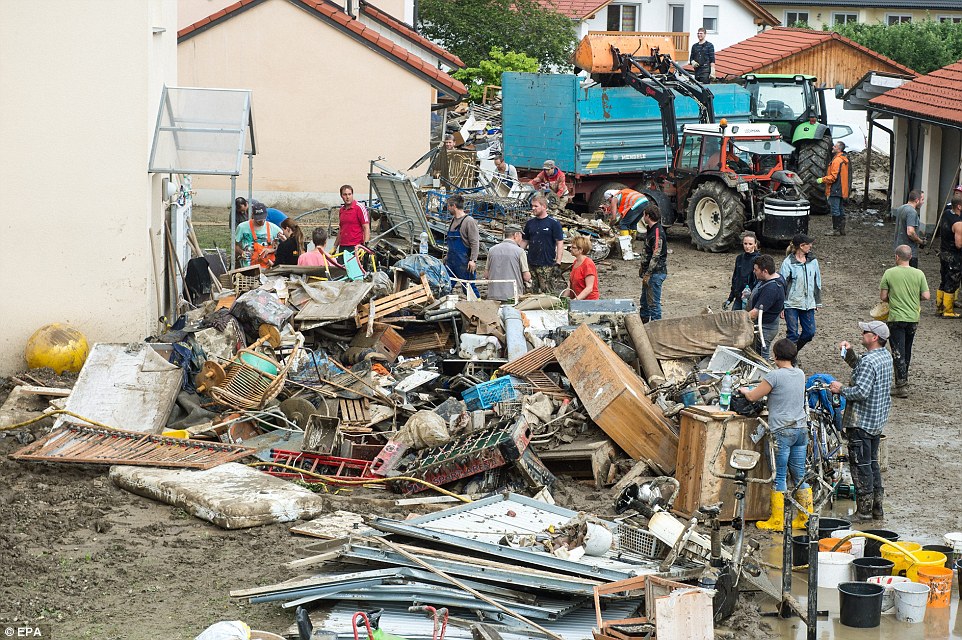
(458, 254)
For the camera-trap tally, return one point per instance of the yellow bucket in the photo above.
(926, 559)
(901, 561)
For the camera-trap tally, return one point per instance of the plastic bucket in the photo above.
(872, 546)
(800, 551)
(828, 544)
(941, 548)
(858, 543)
(888, 598)
(958, 570)
(826, 526)
(834, 568)
(866, 568)
(939, 580)
(911, 599)
(901, 561)
(860, 604)
(926, 559)
(954, 540)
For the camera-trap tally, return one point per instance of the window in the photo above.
(690, 153)
(622, 17)
(710, 18)
(952, 19)
(791, 17)
(845, 18)
(895, 18)
(676, 18)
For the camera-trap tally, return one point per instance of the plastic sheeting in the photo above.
(431, 267)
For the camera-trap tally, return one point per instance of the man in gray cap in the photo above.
(868, 403)
(552, 178)
(507, 261)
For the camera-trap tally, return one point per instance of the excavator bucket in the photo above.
(593, 53)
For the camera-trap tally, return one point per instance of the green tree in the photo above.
(924, 46)
(471, 28)
(489, 71)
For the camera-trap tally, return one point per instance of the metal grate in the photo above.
(638, 541)
(76, 443)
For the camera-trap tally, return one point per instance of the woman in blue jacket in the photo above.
(803, 295)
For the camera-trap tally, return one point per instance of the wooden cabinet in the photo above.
(700, 432)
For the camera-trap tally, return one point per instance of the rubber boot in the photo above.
(948, 306)
(939, 302)
(804, 497)
(900, 389)
(841, 225)
(777, 521)
(863, 508)
(834, 231)
(877, 511)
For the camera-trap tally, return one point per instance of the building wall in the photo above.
(190, 11)
(324, 106)
(818, 16)
(79, 99)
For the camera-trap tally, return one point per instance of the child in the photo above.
(743, 276)
(317, 257)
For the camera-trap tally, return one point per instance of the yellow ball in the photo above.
(58, 346)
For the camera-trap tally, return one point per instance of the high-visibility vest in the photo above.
(628, 198)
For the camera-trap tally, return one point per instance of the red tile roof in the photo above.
(336, 17)
(936, 96)
(575, 9)
(779, 43)
(408, 32)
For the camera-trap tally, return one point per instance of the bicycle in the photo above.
(826, 453)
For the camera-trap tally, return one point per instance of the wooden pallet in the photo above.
(416, 295)
(354, 412)
(530, 362)
(91, 445)
(434, 341)
(540, 381)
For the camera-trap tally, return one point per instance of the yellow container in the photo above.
(926, 559)
(901, 561)
(176, 433)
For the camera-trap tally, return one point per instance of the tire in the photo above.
(812, 163)
(663, 202)
(598, 195)
(716, 217)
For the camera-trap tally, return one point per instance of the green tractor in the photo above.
(794, 105)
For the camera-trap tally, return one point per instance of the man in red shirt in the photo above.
(355, 225)
(554, 178)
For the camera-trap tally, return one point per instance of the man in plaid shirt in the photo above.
(868, 402)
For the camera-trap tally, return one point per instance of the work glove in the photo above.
(694, 65)
(820, 180)
(727, 305)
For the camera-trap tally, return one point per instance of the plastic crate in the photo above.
(487, 394)
(640, 542)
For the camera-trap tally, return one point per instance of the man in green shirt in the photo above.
(903, 287)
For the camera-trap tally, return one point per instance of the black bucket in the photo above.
(866, 568)
(958, 570)
(826, 526)
(860, 604)
(945, 550)
(873, 547)
(799, 550)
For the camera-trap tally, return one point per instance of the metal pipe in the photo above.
(233, 221)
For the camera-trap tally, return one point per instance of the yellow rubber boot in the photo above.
(777, 521)
(939, 302)
(948, 306)
(804, 497)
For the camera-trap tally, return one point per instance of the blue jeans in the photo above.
(791, 447)
(794, 317)
(835, 206)
(630, 221)
(769, 332)
(650, 308)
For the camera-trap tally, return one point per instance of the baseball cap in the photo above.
(511, 229)
(259, 211)
(800, 238)
(958, 188)
(875, 326)
(610, 193)
(548, 164)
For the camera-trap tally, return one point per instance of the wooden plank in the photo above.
(530, 362)
(45, 391)
(615, 398)
(418, 294)
(582, 460)
(700, 433)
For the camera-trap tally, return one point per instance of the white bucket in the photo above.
(954, 540)
(858, 544)
(834, 568)
(910, 601)
(888, 597)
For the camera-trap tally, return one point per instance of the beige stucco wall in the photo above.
(80, 84)
(190, 11)
(820, 15)
(324, 104)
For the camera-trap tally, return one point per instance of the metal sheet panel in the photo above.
(539, 113)
(401, 206)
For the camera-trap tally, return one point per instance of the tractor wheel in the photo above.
(598, 195)
(716, 217)
(813, 158)
(665, 207)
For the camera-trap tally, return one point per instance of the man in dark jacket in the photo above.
(654, 265)
(702, 58)
(836, 183)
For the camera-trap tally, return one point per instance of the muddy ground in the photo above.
(96, 562)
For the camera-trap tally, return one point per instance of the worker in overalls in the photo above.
(256, 239)
(626, 207)
(463, 240)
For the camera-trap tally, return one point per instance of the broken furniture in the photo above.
(701, 431)
(252, 378)
(419, 294)
(591, 460)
